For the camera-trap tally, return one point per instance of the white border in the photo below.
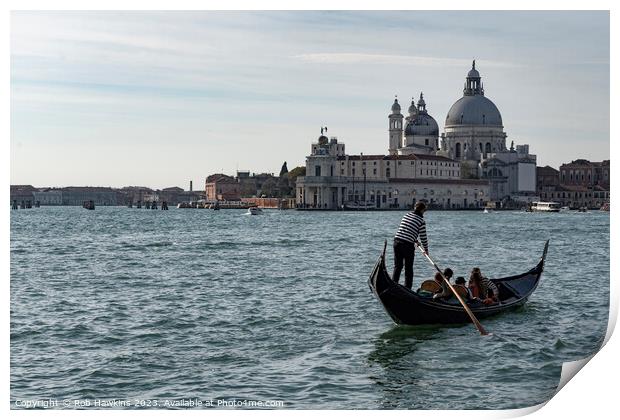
(592, 394)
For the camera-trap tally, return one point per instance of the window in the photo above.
(387, 172)
(457, 153)
(353, 171)
(399, 162)
(317, 171)
(426, 142)
(374, 171)
(342, 172)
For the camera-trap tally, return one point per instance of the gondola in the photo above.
(407, 307)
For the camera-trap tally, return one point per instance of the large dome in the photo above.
(474, 110)
(422, 125)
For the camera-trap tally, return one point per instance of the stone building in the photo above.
(22, 193)
(580, 183)
(546, 177)
(585, 173)
(222, 187)
(75, 196)
(335, 180)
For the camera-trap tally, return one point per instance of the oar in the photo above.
(469, 312)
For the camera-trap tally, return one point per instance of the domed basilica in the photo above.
(473, 135)
(468, 168)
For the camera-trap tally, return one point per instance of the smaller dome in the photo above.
(323, 139)
(396, 107)
(413, 109)
(422, 125)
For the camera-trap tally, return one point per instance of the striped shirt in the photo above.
(487, 284)
(411, 228)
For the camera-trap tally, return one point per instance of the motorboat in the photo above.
(255, 211)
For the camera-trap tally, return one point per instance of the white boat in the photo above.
(485, 211)
(545, 206)
(254, 211)
(565, 208)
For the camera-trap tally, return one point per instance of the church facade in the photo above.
(467, 168)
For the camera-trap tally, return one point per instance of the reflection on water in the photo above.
(401, 369)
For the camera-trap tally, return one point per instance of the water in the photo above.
(187, 303)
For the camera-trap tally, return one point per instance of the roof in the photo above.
(395, 157)
(24, 188)
(88, 189)
(474, 110)
(542, 169)
(220, 178)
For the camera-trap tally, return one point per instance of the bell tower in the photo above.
(396, 128)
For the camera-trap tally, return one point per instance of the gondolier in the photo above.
(412, 227)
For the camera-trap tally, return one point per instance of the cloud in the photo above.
(369, 58)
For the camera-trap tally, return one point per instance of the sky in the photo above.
(162, 98)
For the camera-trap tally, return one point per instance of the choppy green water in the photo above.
(150, 304)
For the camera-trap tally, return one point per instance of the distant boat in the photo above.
(359, 206)
(565, 208)
(485, 211)
(545, 206)
(583, 209)
(605, 207)
(89, 205)
(255, 211)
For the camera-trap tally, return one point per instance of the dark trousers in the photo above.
(403, 256)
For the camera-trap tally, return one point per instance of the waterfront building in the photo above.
(580, 183)
(75, 196)
(585, 173)
(511, 174)
(23, 193)
(335, 180)
(133, 194)
(49, 197)
(546, 177)
(222, 187)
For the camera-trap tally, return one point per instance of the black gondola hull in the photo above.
(407, 307)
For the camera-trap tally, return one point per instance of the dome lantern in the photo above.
(473, 85)
(421, 104)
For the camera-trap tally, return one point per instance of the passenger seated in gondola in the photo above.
(479, 285)
(490, 299)
(460, 283)
(429, 287)
(445, 291)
